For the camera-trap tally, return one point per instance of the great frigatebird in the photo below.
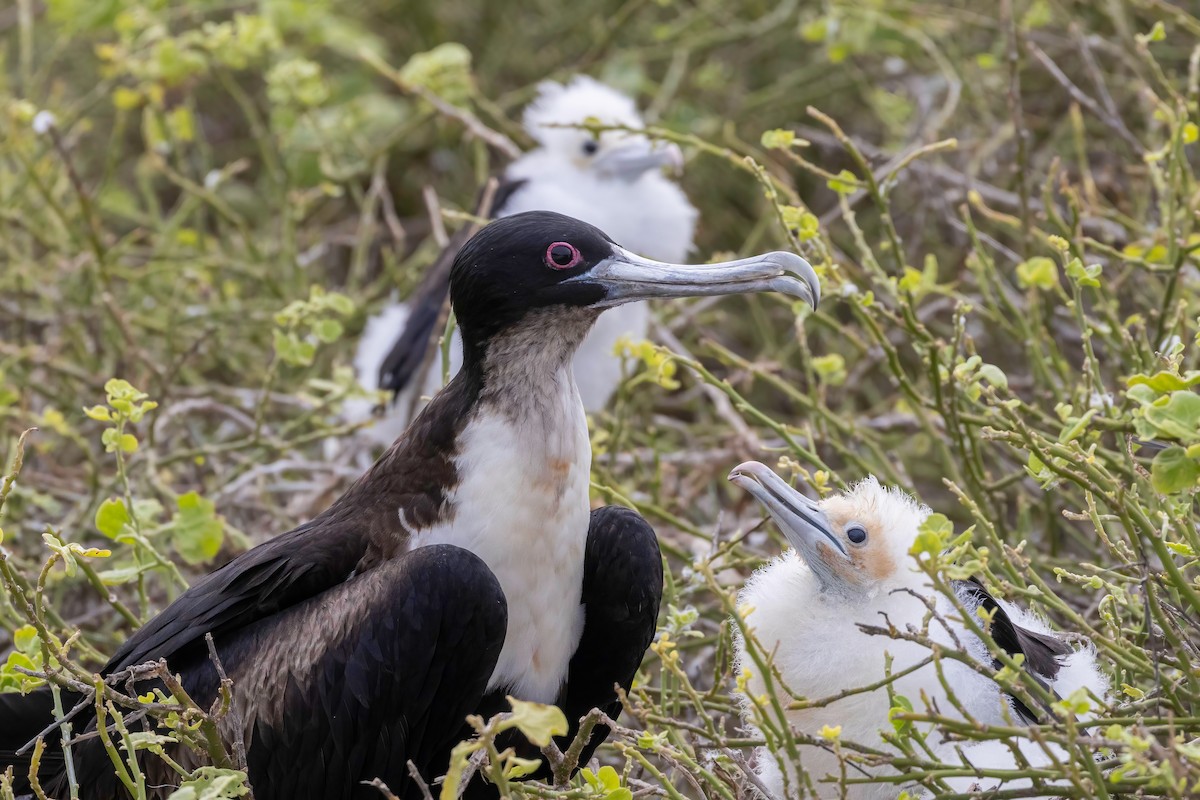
(612, 179)
(851, 567)
(465, 565)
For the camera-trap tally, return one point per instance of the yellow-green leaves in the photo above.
(973, 373)
(1166, 381)
(128, 401)
(26, 654)
(831, 368)
(1084, 275)
(445, 70)
(112, 517)
(1174, 470)
(539, 722)
(800, 221)
(1075, 703)
(297, 82)
(933, 534)
(303, 324)
(1038, 272)
(1156, 34)
(212, 783)
(196, 530)
(902, 706)
(126, 405)
(844, 183)
(778, 139)
(1169, 410)
(659, 366)
(606, 784)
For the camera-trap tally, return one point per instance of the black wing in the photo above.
(274, 575)
(1042, 651)
(393, 680)
(408, 354)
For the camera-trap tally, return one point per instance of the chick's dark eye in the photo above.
(857, 534)
(562, 255)
(590, 147)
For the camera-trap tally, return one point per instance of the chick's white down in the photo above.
(577, 173)
(809, 626)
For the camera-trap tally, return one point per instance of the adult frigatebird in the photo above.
(463, 566)
(612, 179)
(851, 567)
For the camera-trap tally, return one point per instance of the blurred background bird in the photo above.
(613, 179)
(851, 567)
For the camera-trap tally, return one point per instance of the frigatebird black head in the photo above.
(539, 260)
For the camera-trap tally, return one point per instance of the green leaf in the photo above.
(1084, 276)
(460, 758)
(26, 639)
(1172, 471)
(328, 330)
(1176, 416)
(197, 529)
(993, 375)
(518, 767)
(537, 721)
(98, 413)
(292, 350)
(211, 783)
(112, 517)
(903, 706)
(932, 535)
(1156, 34)
(340, 303)
(1181, 549)
(845, 182)
(1165, 382)
(445, 70)
(609, 779)
(778, 139)
(1038, 272)
(831, 367)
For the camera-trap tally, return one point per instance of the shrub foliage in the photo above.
(201, 201)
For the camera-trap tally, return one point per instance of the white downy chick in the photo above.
(851, 566)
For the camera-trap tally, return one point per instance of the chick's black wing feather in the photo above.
(1042, 651)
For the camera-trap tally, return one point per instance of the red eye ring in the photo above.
(562, 255)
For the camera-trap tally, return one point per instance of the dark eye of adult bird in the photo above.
(464, 566)
(590, 147)
(562, 255)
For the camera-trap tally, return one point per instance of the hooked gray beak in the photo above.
(628, 277)
(632, 159)
(801, 520)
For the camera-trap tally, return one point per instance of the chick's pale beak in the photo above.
(630, 160)
(627, 277)
(800, 520)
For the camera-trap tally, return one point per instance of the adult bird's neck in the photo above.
(524, 371)
(521, 378)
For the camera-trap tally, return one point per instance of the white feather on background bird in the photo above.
(613, 181)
